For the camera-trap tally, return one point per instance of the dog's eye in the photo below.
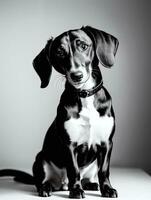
(82, 46)
(61, 52)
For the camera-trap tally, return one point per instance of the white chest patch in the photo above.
(89, 128)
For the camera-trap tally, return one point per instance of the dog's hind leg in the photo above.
(48, 177)
(43, 186)
(90, 186)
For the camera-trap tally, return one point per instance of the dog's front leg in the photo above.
(103, 174)
(73, 173)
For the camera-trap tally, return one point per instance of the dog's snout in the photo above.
(76, 76)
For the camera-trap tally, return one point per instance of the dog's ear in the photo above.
(105, 44)
(42, 65)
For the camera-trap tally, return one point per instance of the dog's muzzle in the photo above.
(76, 76)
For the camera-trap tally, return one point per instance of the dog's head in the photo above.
(74, 54)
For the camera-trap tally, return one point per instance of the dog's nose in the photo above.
(76, 76)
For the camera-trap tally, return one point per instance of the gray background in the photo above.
(26, 111)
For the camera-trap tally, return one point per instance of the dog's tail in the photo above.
(19, 176)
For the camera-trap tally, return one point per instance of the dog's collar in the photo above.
(90, 92)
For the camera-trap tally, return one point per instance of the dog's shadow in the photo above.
(61, 194)
(65, 194)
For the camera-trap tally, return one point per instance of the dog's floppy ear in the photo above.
(42, 65)
(105, 44)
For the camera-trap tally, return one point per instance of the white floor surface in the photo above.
(131, 184)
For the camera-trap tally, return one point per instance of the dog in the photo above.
(77, 147)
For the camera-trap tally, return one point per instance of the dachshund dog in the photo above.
(77, 147)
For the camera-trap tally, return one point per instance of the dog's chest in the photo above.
(89, 128)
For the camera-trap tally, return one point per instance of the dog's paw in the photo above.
(45, 190)
(76, 193)
(44, 193)
(91, 186)
(109, 192)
